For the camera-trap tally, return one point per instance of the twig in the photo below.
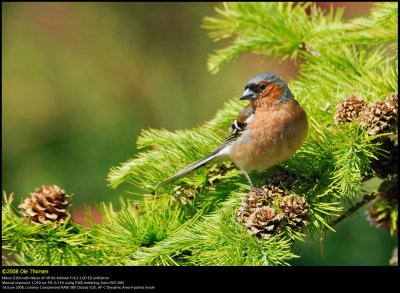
(366, 199)
(309, 49)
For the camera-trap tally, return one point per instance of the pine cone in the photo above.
(280, 179)
(379, 213)
(216, 172)
(271, 191)
(184, 195)
(250, 203)
(380, 117)
(255, 213)
(47, 204)
(349, 109)
(263, 223)
(296, 210)
(394, 100)
(389, 190)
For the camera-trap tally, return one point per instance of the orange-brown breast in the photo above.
(275, 134)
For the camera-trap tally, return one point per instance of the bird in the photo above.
(266, 132)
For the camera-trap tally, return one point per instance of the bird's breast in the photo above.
(273, 136)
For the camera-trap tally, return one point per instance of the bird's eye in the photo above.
(262, 87)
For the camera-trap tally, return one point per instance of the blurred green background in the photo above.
(80, 80)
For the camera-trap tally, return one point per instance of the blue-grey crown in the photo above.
(267, 76)
(273, 78)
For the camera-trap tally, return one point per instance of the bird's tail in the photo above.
(207, 159)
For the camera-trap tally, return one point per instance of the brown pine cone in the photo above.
(280, 178)
(349, 109)
(379, 117)
(263, 223)
(184, 195)
(260, 219)
(296, 210)
(389, 190)
(394, 100)
(250, 203)
(216, 172)
(47, 204)
(271, 191)
(378, 213)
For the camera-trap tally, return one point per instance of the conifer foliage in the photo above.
(348, 86)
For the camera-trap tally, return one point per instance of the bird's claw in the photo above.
(256, 190)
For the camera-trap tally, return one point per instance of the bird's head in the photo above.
(268, 87)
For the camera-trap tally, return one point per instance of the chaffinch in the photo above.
(266, 132)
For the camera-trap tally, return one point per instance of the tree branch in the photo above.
(366, 199)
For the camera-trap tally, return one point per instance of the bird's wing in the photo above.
(237, 128)
(239, 125)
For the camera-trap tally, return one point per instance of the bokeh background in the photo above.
(80, 80)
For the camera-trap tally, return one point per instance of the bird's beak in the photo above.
(248, 94)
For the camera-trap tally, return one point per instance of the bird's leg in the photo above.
(248, 178)
(252, 188)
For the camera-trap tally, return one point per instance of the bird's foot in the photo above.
(256, 190)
